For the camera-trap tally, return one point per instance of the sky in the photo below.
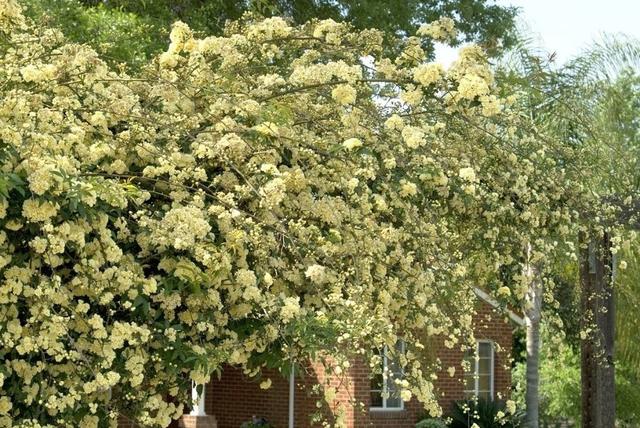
(568, 26)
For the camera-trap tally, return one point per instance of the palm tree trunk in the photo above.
(533, 315)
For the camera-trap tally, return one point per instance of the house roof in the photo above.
(494, 303)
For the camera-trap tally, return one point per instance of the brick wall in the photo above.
(234, 398)
(489, 325)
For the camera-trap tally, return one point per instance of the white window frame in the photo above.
(384, 391)
(476, 370)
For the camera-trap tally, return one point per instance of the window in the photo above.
(385, 394)
(478, 380)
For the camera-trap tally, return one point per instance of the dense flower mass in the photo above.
(257, 197)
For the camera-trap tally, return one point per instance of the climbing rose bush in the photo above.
(272, 195)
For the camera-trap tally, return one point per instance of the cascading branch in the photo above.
(275, 194)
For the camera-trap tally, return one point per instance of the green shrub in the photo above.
(257, 423)
(484, 413)
(431, 423)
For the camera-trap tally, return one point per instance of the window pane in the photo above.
(383, 385)
(377, 385)
(484, 366)
(469, 382)
(485, 349)
(394, 403)
(484, 383)
(480, 369)
(376, 382)
(484, 394)
(395, 371)
(394, 364)
(376, 399)
(392, 387)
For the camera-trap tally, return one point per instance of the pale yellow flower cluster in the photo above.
(413, 136)
(352, 143)
(32, 73)
(329, 29)
(442, 29)
(344, 94)
(10, 15)
(311, 73)
(290, 309)
(428, 74)
(472, 86)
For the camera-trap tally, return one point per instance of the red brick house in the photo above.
(234, 399)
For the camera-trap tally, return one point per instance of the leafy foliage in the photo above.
(118, 35)
(589, 111)
(560, 386)
(431, 423)
(484, 414)
(132, 31)
(627, 282)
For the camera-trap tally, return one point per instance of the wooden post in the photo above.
(292, 391)
(198, 408)
(198, 417)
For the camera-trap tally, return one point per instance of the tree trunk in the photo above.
(598, 320)
(587, 323)
(606, 328)
(533, 315)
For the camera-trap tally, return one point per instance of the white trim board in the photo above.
(494, 303)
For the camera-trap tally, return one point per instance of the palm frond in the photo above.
(605, 59)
